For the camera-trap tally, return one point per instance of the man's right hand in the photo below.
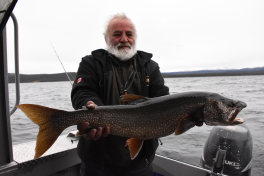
(93, 134)
(90, 105)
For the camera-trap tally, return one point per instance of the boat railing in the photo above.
(17, 77)
(6, 160)
(19, 159)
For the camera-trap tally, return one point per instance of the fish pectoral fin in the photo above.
(184, 124)
(132, 99)
(79, 133)
(134, 146)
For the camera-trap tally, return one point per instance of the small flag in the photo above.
(79, 80)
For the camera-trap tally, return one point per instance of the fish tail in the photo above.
(42, 116)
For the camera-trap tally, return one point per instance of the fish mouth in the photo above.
(232, 117)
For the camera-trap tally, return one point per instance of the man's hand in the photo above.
(90, 105)
(93, 134)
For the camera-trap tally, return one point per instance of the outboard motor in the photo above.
(228, 151)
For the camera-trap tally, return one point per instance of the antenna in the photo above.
(61, 62)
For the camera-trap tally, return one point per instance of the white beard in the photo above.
(122, 54)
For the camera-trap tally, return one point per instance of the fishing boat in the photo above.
(222, 155)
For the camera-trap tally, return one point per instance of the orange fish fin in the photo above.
(132, 99)
(38, 114)
(134, 145)
(48, 132)
(46, 138)
(79, 133)
(184, 124)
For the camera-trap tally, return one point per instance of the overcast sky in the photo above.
(181, 34)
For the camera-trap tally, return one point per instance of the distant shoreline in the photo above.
(210, 74)
(27, 78)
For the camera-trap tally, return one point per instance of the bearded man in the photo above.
(101, 78)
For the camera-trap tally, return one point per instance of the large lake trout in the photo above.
(143, 118)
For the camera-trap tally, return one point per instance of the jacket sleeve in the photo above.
(86, 84)
(157, 87)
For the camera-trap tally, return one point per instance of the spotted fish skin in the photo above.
(158, 117)
(150, 118)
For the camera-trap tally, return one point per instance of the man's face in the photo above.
(121, 34)
(121, 39)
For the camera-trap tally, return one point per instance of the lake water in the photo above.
(187, 147)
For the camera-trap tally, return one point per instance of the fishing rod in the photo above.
(61, 63)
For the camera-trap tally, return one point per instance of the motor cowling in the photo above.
(228, 150)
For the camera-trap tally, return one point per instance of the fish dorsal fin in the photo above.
(134, 146)
(132, 99)
(185, 124)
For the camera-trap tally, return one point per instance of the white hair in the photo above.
(117, 16)
(123, 54)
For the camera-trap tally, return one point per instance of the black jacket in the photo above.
(93, 83)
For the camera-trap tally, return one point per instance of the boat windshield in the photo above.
(6, 8)
(210, 46)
